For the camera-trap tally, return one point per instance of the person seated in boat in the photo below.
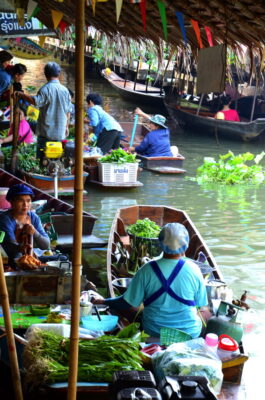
(20, 224)
(156, 143)
(227, 113)
(25, 134)
(105, 127)
(171, 287)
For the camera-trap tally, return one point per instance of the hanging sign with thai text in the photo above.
(9, 26)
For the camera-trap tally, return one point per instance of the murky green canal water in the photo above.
(230, 219)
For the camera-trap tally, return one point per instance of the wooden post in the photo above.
(135, 80)
(146, 86)
(10, 335)
(200, 103)
(16, 123)
(254, 99)
(78, 199)
(126, 74)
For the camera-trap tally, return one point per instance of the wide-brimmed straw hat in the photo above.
(158, 120)
(174, 238)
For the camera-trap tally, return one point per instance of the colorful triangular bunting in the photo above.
(56, 17)
(162, 11)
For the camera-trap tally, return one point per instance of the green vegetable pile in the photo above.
(231, 169)
(46, 356)
(144, 228)
(119, 156)
(27, 160)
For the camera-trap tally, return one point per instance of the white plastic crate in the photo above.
(117, 173)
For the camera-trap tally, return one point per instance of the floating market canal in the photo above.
(231, 219)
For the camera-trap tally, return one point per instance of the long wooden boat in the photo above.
(46, 182)
(205, 123)
(119, 245)
(137, 93)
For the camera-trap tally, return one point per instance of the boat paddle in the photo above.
(135, 122)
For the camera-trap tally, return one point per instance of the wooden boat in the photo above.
(162, 165)
(119, 245)
(137, 93)
(206, 123)
(46, 182)
(62, 215)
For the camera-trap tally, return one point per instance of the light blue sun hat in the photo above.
(174, 238)
(158, 120)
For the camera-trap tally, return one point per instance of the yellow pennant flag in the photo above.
(42, 40)
(118, 9)
(56, 17)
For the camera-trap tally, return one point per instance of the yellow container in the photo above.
(53, 149)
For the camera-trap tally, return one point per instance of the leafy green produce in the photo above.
(27, 160)
(231, 169)
(46, 357)
(144, 228)
(119, 156)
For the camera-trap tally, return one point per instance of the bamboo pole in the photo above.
(10, 335)
(16, 122)
(78, 198)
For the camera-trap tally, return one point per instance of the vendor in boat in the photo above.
(156, 143)
(21, 225)
(227, 113)
(106, 128)
(171, 288)
(25, 134)
(5, 77)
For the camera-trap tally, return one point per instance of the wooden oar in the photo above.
(9, 331)
(135, 122)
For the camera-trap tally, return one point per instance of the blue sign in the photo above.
(9, 26)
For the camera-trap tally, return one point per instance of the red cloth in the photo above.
(231, 115)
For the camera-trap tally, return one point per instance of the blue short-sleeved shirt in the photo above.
(166, 311)
(100, 120)
(5, 80)
(54, 102)
(8, 225)
(155, 144)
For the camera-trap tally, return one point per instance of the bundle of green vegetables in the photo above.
(46, 356)
(144, 228)
(119, 156)
(231, 169)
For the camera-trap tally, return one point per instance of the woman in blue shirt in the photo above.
(156, 143)
(106, 128)
(170, 288)
(5, 77)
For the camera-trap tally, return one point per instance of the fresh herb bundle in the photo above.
(119, 156)
(231, 169)
(46, 357)
(144, 228)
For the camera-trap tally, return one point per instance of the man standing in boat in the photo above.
(156, 143)
(54, 101)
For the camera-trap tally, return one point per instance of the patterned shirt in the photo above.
(54, 102)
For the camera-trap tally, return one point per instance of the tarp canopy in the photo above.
(201, 21)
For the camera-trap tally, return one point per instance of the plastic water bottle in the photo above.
(211, 345)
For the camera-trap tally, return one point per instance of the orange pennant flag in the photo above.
(197, 32)
(209, 35)
(56, 18)
(42, 40)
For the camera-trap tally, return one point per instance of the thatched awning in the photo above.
(231, 22)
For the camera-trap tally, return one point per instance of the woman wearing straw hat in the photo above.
(171, 287)
(156, 143)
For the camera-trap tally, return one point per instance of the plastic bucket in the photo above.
(107, 323)
(121, 284)
(172, 335)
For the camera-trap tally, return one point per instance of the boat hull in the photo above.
(135, 93)
(206, 123)
(46, 183)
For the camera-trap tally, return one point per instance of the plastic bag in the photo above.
(189, 358)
